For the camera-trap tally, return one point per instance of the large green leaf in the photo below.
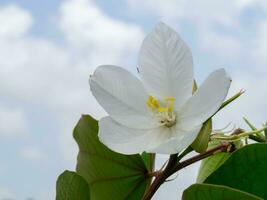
(244, 170)
(215, 192)
(71, 186)
(201, 142)
(212, 163)
(110, 175)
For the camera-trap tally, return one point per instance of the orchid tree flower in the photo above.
(158, 113)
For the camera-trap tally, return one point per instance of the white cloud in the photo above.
(206, 12)
(14, 21)
(216, 44)
(3, 168)
(260, 45)
(40, 72)
(6, 193)
(31, 153)
(96, 34)
(207, 17)
(12, 122)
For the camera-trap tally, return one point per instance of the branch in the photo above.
(174, 167)
(221, 148)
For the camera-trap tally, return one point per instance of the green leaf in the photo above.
(212, 163)
(110, 175)
(200, 144)
(215, 192)
(253, 128)
(244, 170)
(71, 186)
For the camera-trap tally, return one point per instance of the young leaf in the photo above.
(212, 163)
(244, 170)
(215, 192)
(71, 186)
(253, 128)
(149, 160)
(200, 144)
(110, 175)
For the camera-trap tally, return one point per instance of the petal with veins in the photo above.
(179, 141)
(122, 95)
(166, 66)
(127, 140)
(206, 100)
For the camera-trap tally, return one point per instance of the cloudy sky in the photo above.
(49, 48)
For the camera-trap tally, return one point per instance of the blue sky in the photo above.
(49, 48)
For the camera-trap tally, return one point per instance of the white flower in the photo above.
(158, 114)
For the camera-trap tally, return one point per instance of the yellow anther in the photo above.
(162, 109)
(152, 103)
(150, 98)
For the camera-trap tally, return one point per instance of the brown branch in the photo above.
(173, 167)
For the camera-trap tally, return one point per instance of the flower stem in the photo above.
(172, 167)
(228, 101)
(221, 148)
(236, 137)
(256, 139)
(185, 152)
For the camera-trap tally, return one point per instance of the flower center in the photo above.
(163, 110)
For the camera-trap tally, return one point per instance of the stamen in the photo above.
(165, 113)
(152, 103)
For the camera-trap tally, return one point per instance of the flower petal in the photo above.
(122, 95)
(166, 66)
(181, 139)
(127, 140)
(206, 100)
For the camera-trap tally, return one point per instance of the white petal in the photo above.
(122, 95)
(180, 140)
(165, 65)
(127, 140)
(206, 100)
